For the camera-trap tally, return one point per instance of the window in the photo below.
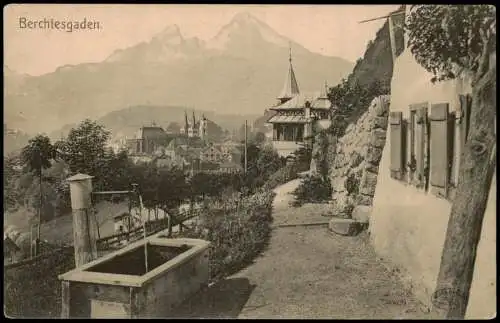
(426, 147)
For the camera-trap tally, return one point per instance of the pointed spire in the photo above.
(324, 92)
(290, 88)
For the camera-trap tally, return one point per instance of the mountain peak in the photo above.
(244, 17)
(170, 34)
(243, 28)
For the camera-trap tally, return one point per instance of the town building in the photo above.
(211, 154)
(298, 116)
(147, 140)
(193, 128)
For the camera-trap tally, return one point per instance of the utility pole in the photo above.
(37, 242)
(246, 146)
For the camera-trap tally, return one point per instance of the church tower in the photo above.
(194, 129)
(203, 128)
(186, 124)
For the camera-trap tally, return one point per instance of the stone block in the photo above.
(345, 227)
(355, 159)
(338, 184)
(371, 168)
(368, 183)
(344, 204)
(374, 155)
(377, 138)
(381, 107)
(379, 123)
(361, 213)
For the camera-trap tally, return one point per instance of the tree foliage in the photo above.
(350, 100)
(446, 39)
(262, 162)
(37, 155)
(85, 146)
(303, 157)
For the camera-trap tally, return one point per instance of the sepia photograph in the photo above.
(217, 161)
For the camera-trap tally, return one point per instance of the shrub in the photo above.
(312, 189)
(303, 158)
(280, 177)
(236, 237)
(33, 289)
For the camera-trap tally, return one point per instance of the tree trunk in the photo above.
(477, 164)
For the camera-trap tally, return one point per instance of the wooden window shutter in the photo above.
(397, 151)
(420, 134)
(439, 149)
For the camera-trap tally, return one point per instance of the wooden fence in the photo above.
(117, 240)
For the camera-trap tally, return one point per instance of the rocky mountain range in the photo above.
(239, 71)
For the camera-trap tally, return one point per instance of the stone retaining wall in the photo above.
(353, 168)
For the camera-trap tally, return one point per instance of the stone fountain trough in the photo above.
(119, 286)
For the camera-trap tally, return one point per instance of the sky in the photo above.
(331, 30)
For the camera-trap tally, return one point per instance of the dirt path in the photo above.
(308, 272)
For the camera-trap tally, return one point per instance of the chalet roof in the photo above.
(287, 119)
(316, 100)
(290, 88)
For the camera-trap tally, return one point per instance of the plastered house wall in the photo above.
(407, 225)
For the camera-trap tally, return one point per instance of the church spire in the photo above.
(186, 123)
(290, 88)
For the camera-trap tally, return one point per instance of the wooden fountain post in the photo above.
(84, 235)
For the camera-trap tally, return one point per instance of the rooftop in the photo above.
(290, 88)
(317, 100)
